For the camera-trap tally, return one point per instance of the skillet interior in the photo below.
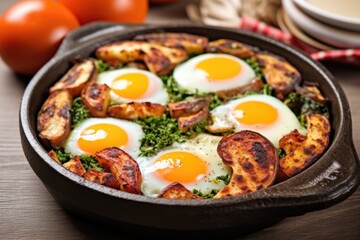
(333, 178)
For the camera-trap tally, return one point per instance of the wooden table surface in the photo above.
(27, 210)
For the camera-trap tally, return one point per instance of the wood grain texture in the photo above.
(27, 211)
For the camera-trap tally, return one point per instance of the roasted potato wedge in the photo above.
(103, 178)
(136, 110)
(77, 77)
(186, 123)
(188, 107)
(74, 165)
(193, 44)
(231, 47)
(54, 121)
(279, 74)
(96, 98)
(158, 59)
(256, 85)
(301, 151)
(123, 166)
(177, 191)
(253, 159)
(54, 156)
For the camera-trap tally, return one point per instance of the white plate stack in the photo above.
(322, 25)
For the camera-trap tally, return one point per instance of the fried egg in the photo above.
(194, 163)
(212, 72)
(134, 85)
(264, 114)
(94, 134)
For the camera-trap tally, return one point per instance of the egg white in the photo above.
(156, 92)
(133, 130)
(192, 79)
(224, 117)
(204, 146)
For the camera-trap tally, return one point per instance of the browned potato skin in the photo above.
(186, 123)
(103, 178)
(310, 90)
(188, 107)
(123, 166)
(301, 151)
(54, 156)
(159, 60)
(136, 110)
(253, 159)
(231, 47)
(192, 43)
(54, 121)
(74, 165)
(96, 98)
(279, 74)
(256, 85)
(177, 191)
(77, 77)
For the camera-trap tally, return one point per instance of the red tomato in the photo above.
(31, 31)
(120, 11)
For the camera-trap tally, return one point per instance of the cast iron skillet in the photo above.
(333, 178)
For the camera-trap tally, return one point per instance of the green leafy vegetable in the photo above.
(90, 162)
(267, 90)
(78, 112)
(211, 194)
(62, 155)
(224, 178)
(102, 66)
(255, 66)
(175, 92)
(281, 153)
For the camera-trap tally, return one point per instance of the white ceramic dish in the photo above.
(343, 14)
(331, 35)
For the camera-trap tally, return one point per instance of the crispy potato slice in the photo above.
(158, 59)
(301, 151)
(54, 121)
(188, 122)
(279, 74)
(253, 159)
(256, 85)
(176, 190)
(192, 43)
(96, 98)
(123, 166)
(103, 178)
(76, 78)
(311, 91)
(136, 110)
(54, 156)
(188, 107)
(232, 47)
(74, 165)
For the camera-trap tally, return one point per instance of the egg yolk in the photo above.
(100, 136)
(255, 112)
(130, 85)
(180, 166)
(219, 68)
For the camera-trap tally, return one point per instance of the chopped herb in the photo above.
(62, 155)
(174, 90)
(90, 162)
(255, 66)
(78, 112)
(267, 90)
(102, 66)
(211, 194)
(311, 106)
(198, 128)
(294, 102)
(281, 153)
(224, 178)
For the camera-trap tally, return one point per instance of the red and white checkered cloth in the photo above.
(351, 56)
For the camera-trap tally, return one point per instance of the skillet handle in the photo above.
(88, 32)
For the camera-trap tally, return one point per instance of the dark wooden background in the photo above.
(27, 211)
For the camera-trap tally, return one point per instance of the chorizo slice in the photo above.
(253, 159)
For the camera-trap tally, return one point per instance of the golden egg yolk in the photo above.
(131, 85)
(100, 136)
(255, 112)
(220, 68)
(180, 166)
